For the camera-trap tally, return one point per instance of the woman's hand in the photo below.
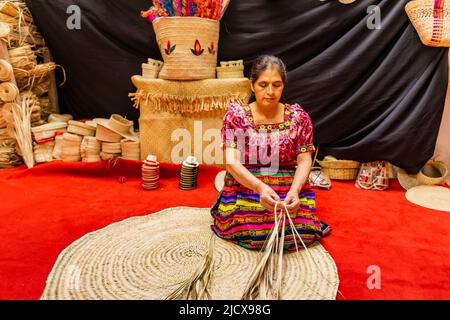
(292, 201)
(268, 197)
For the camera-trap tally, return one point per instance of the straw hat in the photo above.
(56, 117)
(80, 128)
(432, 197)
(70, 147)
(90, 149)
(219, 181)
(433, 173)
(131, 150)
(140, 258)
(115, 128)
(48, 130)
(111, 147)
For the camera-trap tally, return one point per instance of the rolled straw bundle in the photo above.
(4, 29)
(6, 70)
(8, 92)
(17, 10)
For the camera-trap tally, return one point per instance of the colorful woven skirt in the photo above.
(240, 218)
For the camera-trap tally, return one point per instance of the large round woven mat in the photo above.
(146, 257)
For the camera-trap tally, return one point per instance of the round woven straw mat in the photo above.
(147, 258)
(432, 197)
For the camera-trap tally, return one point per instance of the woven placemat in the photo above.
(146, 257)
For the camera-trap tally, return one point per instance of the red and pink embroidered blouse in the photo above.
(260, 142)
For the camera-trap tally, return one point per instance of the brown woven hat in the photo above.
(432, 173)
(141, 258)
(118, 125)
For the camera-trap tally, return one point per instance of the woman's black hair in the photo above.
(265, 62)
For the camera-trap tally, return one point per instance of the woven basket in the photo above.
(431, 19)
(188, 46)
(340, 169)
(433, 173)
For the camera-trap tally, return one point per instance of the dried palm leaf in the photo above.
(196, 286)
(18, 118)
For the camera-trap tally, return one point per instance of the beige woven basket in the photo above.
(188, 46)
(431, 19)
(340, 169)
(433, 173)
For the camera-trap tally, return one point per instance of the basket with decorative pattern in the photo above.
(188, 46)
(431, 19)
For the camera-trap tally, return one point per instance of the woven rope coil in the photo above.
(6, 70)
(137, 258)
(8, 91)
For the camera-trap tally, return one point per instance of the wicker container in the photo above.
(188, 46)
(431, 19)
(151, 69)
(230, 69)
(340, 169)
(433, 173)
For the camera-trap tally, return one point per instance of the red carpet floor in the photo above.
(44, 209)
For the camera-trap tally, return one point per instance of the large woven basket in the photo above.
(431, 19)
(340, 169)
(188, 46)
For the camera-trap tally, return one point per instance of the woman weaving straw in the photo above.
(263, 141)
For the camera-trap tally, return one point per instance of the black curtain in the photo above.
(373, 94)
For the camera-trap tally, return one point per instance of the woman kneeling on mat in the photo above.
(263, 141)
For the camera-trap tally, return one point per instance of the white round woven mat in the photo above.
(146, 257)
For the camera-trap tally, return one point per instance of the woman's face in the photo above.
(268, 88)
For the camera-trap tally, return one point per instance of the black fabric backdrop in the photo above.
(372, 94)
